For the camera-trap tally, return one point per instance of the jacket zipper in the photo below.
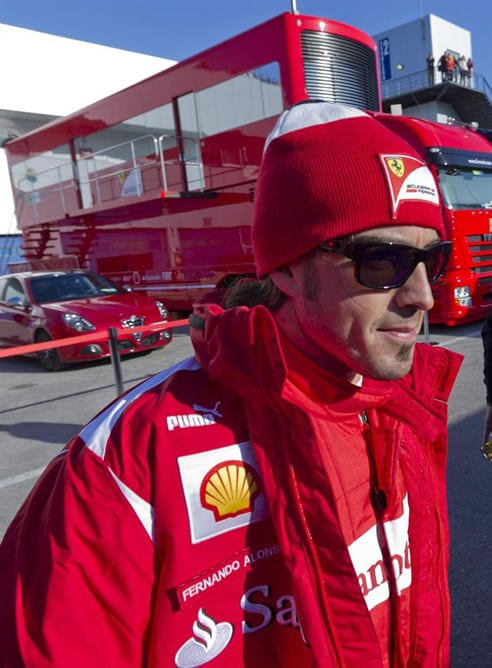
(379, 504)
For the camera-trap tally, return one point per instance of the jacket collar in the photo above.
(242, 348)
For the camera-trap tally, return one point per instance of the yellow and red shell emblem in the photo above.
(229, 489)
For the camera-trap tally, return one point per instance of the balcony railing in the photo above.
(420, 80)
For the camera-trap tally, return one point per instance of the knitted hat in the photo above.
(329, 171)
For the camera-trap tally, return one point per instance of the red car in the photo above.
(47, 305)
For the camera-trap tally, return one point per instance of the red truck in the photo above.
(461, 159)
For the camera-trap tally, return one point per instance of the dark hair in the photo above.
(249, 291)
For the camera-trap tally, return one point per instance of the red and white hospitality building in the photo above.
(46, 76)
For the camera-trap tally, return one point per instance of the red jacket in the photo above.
(194, 520)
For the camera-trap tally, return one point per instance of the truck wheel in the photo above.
(49, 359)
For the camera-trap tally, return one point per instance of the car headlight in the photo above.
(77, 322)
(162, 309)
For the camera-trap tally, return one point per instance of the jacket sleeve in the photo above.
(77, 569)
(487, 356)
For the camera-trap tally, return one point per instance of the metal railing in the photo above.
(193, 163)
(27, 192)
(112, 335)
(89, 175)
(101, 167)
(419, 80)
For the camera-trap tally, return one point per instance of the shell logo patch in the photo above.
(408, 179)
(222, 490)
(229, 489)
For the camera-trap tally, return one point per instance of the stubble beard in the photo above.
(398, 367)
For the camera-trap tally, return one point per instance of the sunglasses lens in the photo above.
(436, 261)
(384, 265)
(390, 265)
(387, 265)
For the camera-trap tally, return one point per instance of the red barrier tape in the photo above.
(83, 338)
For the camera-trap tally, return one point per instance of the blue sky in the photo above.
(178, 29)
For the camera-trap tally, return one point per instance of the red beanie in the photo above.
(329, 171)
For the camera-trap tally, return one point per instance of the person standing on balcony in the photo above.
(469, 66)
(430, 69)
(463, 70)
(450, 67)
(442, 67)
(456, 70)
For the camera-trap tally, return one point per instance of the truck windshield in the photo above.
(466, 188)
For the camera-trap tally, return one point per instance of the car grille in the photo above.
(125, 345)
(149, 340)
(133, 321)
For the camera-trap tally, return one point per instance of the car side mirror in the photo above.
(18, 301)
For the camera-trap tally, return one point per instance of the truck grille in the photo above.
(481, 253)
(481, 257)
(338, 69)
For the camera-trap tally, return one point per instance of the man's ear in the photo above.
(287, 280)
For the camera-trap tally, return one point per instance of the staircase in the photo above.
(81, 243)
(38, 242)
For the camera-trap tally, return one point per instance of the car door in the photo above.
(15, 315)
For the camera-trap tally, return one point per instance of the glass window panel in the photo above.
(244, 99)
(42, 171)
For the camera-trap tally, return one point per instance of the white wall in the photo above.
(446, 35)
(409, 45)
(44, 76)
(433, 111)
(55, 75)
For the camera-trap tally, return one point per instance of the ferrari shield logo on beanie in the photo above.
(329, 171)
(408, 178)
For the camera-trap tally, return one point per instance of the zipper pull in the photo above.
(378, 500)
(377, 496)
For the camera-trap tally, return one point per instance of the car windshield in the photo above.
(64, 287)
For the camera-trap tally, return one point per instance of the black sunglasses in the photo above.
(383, 265)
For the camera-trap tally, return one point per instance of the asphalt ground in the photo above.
(40, 412)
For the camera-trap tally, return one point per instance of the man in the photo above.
(279, 499)
(430, 69)
(487, 376)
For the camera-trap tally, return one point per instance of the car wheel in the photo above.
(49, 359)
